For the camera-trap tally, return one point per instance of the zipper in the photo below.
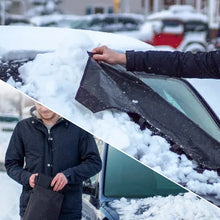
(50, 152)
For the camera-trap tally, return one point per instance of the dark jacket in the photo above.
(176, 64)
(67, 149)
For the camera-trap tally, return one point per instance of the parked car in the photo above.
(15, 20)
(180, 27)
(122, 176)
(97, 22)
(54, 20)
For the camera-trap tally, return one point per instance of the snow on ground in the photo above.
(178, 207)
(9, 199)
(53, 79)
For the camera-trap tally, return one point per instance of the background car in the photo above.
(54, 20)
(180, 27)
(98, 22)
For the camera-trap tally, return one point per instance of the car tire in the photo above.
(194, 47)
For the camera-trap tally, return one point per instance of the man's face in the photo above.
(45, 113)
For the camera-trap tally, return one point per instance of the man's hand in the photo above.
(59, 181)
(107, 55)
(31, 179)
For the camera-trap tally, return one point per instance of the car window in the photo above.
(172, 26)
(128, 23)
(177, 93)
(195, 26)
(125, 177)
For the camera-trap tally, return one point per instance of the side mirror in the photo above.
(93, 191)
(89, 188)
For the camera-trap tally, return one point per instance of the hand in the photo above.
(31, 179)
(59, 181)
(107, 55)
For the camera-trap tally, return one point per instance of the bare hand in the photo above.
(31, 179)
(107, 55)
(59, 181)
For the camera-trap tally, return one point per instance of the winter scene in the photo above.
(48, 60)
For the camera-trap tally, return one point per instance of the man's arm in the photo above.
(174, 64)
(91, 162)
(14, 159)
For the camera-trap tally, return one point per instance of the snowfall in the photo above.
(53, 78)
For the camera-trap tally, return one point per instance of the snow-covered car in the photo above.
(180, 27)
(98, 22)
(48, 64)
(13, 19)
(54, 20)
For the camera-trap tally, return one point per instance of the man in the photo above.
(174, 64)
(53, 146)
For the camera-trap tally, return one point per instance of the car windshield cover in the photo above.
(125, 177)
(182, 97)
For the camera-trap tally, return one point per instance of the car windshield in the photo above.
(182, 97)
(125, 177)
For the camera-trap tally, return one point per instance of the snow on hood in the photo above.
(54, 77)
(186, 206)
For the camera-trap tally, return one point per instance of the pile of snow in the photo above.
(53, 79)
(186, 206)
